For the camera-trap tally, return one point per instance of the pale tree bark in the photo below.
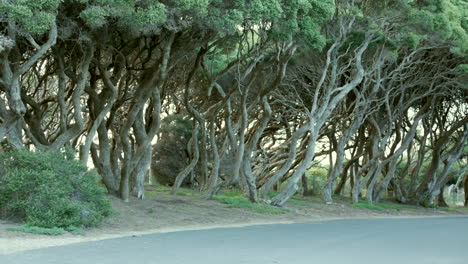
(189, 168)
(72, 130)
(247, 163)
(11, 81)
(360, 112)
(466, 190)
(287, 164)
(214, 176)
(319, 112)
(84, 154)
(403, 92)
(434, 181)
(150, 87)
(431, 179)
(392, 160)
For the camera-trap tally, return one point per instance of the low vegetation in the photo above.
(55, 231)
(381, 206)
(50, 190)
(235, 199)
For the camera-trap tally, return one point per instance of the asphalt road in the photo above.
(377, 241)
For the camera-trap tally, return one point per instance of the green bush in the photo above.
(50, 189)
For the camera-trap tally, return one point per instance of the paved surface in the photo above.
(378, 241)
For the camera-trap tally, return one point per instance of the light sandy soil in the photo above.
(160, 212)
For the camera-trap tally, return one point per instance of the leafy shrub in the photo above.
(50, 189)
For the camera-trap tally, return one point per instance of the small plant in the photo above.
(55, 231)
(234, 199)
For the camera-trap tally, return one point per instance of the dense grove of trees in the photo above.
(248, 93)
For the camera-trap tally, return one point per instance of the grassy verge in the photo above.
(298, 201)
(165, 191)
(452, 209)
(76, 230)
(235, 199)
(380, 206)
(55, 231)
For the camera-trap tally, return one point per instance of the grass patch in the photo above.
(182, 207)
(446, 209)
(55, 231)
(298, 201)
(77, 231)
(166, 191)
(187, 192)
(234, 199)
(380, 206)
(272, 194)
(339, 197)
(453, 208)
(150, 193)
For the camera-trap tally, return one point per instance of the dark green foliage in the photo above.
(34, 17)
(47, 189)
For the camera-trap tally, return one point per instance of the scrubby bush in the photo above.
(317, 178)
(50, 189)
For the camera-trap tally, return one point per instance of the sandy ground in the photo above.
(160, 212)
